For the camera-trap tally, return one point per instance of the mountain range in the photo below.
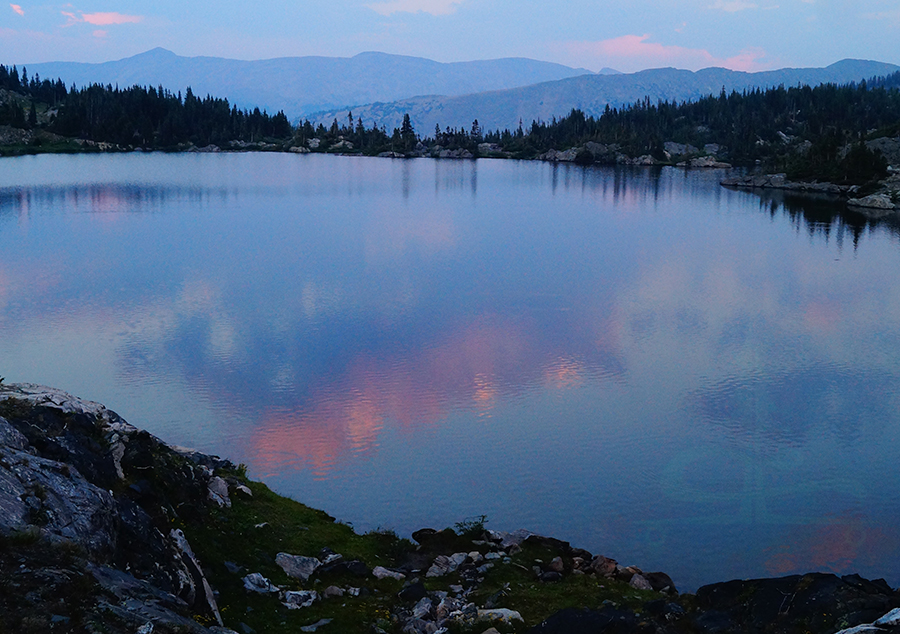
(301, 86)
(504, 109)
(381, 88)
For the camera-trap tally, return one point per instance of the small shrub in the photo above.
(471, 527)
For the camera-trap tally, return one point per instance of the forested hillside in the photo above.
(136, 116)
(810, 133)
(802, 130)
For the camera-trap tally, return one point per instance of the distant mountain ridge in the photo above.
(501, 109)
(303, 85)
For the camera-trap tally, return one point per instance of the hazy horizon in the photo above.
(688, 34)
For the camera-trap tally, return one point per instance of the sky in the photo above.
(626, 35)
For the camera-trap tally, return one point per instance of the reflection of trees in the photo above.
(822, 216)
(99, 198)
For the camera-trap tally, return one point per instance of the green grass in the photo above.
(231, 535)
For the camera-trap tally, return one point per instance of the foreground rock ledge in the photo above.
(104, 528)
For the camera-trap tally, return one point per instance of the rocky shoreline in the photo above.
(105, 528)
(885, 200)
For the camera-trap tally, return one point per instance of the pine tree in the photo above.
(407, 133)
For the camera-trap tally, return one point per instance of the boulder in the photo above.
(889, 148)
(423, 609)
(380, 572)
(489, 148)
(814, 602)
(707, 162)
(189, 560)
(644, 160)
(446, 607)
(604, 566)
(441, 566)
(431, 538)
(457, 559)
(556, 565)
(135, 601)
(679, 149)
(501, 615)
(255, 582)
(508, 540)
(660, 581)
(639, 582)
(297, 599)
(460, 153)
(413, 591)
(880, 202)
(54, 496)
(297, 566)
(891, 619)
(597, 149)
(218, 491)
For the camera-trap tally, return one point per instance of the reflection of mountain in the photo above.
(97, 198)
(784, 409)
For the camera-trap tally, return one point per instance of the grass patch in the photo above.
(255, 529)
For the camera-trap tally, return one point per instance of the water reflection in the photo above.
(821, 215)
(100, 198)
(637, 360)
(785, 409)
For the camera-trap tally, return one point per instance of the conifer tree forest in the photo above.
(808, 132)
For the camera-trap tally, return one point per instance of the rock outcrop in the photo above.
(74, 475)
(780, 181)
(104, 528)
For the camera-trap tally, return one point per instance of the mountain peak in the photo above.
(155, 53)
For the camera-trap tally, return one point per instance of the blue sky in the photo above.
(629, 36)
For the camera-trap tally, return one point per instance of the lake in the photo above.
(658, 369)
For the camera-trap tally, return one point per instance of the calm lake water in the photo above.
(675, 375)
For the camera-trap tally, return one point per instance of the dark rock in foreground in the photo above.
(813, 603)
(101, 525)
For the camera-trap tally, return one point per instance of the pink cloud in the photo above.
(100, 33)
(434, 7)
(105, 19)
(17, 9)
(637, 52)
(101, 19)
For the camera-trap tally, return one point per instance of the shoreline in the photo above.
(158, 534)
(882, 202)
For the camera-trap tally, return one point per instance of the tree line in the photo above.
(132, 117)
(804, 131)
